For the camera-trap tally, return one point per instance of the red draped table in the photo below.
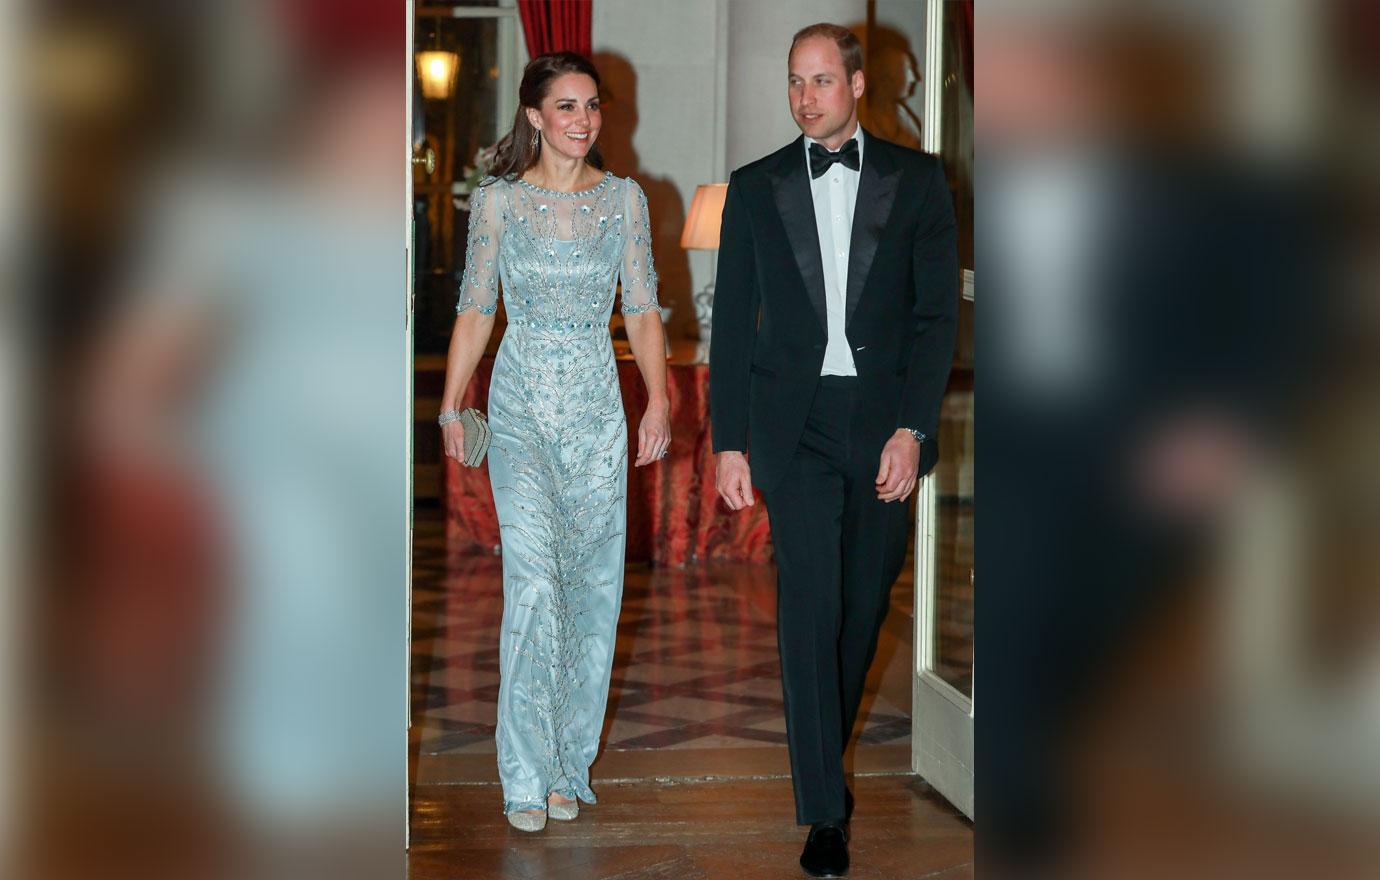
(675, 515)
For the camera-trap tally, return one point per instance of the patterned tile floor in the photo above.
(695, 663)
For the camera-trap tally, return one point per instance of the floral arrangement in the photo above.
(472, 175)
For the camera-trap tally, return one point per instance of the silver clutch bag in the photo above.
(477, 436)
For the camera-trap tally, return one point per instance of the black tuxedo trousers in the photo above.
(838, 551)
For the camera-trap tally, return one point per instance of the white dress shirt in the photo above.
(835, 193)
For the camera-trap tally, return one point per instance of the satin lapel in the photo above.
(796, 205)
(878, 181)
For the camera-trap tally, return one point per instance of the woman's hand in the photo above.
(649, 350)
(453, 440)
(654, 434)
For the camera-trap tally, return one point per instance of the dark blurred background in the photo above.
(206, 499)
(1178, 646)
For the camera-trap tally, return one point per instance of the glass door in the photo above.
(942, 680)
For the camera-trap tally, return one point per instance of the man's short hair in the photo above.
(849, 47)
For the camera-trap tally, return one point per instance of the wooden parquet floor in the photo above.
(740, 829)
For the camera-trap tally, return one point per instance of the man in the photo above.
(834, 323)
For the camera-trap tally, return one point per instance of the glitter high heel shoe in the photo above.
(563, 812)
(525, 821)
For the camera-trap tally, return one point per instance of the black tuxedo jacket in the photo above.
(770, 326)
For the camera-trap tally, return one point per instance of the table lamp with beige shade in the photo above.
(701, 232)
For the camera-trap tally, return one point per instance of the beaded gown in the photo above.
(558, 461)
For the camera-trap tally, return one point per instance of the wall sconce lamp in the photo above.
(436, 69)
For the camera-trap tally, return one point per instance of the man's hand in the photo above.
(899, 469)
(733, 478)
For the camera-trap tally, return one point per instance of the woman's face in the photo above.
(569, 117)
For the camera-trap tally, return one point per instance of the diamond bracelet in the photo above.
(447, 416)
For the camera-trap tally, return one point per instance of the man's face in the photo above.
(824, 99)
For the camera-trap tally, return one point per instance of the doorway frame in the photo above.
(942, 717)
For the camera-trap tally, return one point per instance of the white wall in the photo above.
(660, 62)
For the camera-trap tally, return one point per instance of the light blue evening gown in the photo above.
(558, 462)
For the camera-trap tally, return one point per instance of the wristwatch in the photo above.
(918, 435)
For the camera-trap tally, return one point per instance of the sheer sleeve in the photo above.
(479, 284)
(638, 272)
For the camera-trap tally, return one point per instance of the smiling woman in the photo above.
(568, 122)
(561, 235)
(538, 97)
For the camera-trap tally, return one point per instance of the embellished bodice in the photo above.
(559, 256)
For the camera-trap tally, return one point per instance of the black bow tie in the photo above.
(821, 159)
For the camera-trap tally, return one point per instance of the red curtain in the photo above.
(557, 26)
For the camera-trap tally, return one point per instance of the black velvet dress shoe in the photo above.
(826, 852)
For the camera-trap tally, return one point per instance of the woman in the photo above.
(560, 233)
